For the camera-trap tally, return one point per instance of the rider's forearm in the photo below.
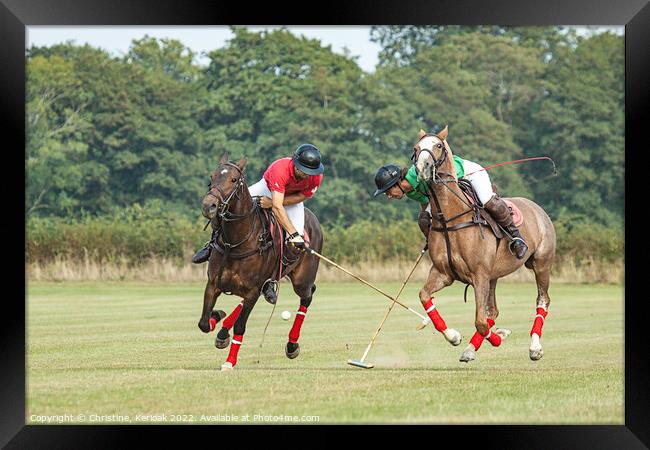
(292, 199)
(281, 214)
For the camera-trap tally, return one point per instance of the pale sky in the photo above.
(117, 39)
(202, 39)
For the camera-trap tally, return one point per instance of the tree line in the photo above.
(105, 133)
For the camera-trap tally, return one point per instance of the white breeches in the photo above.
(295, 212)
(480, 181)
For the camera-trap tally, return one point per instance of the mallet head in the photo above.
(422, 324)
(364, 365)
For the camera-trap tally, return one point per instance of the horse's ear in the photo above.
(224, 158)
(242, 163)
(443, 133)
(421, 134)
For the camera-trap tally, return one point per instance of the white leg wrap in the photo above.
(535, 344)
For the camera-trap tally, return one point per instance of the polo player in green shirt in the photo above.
(396, 183)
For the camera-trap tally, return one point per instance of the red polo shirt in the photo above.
(279, 177)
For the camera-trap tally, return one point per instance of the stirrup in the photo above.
(512, 243)
(272, 298)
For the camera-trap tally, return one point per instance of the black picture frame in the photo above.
(15, 15)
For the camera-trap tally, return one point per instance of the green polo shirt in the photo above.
(419, 192)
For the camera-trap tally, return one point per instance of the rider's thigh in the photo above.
(480, 181)
(260, 189)
(296, 215)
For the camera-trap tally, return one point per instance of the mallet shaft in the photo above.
(390, 308)
(313, 252)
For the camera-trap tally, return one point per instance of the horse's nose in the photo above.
(421, 173)
(425, 171)
(210, 210)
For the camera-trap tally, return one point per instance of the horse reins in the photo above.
(227, 216)
(439, 216)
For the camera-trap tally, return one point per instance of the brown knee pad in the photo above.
(424, 222)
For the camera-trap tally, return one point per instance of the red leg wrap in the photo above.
(493, 338)
(294, 334)
(434, 315)
(235, 343)
(476, 340)
(229, 321)
(539, 322)
(213, 323)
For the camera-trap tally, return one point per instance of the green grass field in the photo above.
(118, 349)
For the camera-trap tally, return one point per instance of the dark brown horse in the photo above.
(479, 259)
(241, 264)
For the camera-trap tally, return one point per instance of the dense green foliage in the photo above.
(120, 149)
(135, 234)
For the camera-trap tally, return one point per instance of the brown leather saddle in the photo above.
(284, 251)
(271, 235)
(471, 196)
(480, 216)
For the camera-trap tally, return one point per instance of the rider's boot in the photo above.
(204, 254)
(424, 222)
(502, 214)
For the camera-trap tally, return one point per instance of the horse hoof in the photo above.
(218, 315)
(292, 350)
(453, 336)
(223, 339)
(536, 355)
(503, 332)
(226, 367)
(535, 349)
(467, 356)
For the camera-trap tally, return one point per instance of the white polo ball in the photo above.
(286, 315)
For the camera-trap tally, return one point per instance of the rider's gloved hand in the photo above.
(266, 202)
(297, 241)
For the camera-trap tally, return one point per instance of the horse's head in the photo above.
(430, 153)
(225, 182)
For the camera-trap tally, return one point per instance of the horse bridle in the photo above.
(436, 162)
(439, 216)
(226, 216)
(223, 212)
(224, 204)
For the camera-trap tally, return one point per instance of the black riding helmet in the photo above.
(307, 159)
(386, 177)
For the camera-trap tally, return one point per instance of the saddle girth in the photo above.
(225, 248)
(445, 230)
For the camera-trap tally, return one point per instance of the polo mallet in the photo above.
(361, 362)
(425, 320)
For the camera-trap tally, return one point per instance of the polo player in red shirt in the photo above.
(286, 184)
